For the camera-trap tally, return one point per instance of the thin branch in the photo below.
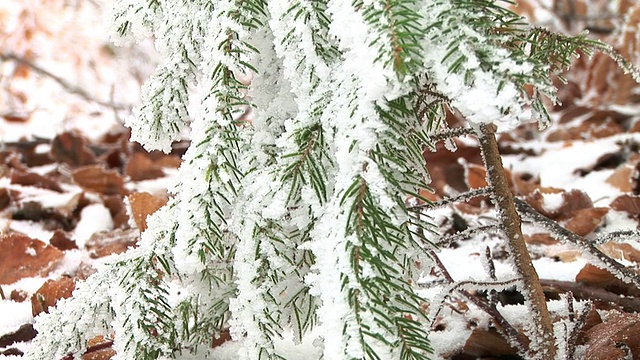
(617, 236)
(71, 88)
(578, 325)
(566, 236)
(467, 234)
(584, 292)
(451, 133)
(465, 196)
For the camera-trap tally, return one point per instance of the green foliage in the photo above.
(298, 218)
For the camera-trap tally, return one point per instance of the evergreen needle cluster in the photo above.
(297, 219)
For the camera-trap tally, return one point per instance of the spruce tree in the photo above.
(300, 219)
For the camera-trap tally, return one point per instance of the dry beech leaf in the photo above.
(169, 161)
(60, 240)
(584, 221)
(111, 242)
(96, 178)
(25, 333)
(429, 195)
(50, 292)
(594, 276)
(621, 251)
(565, 255)
(571, 201)
(83, 271)
(23, 257)
(621, 178)
(18, 295)
(17, 117)
(476, 176)
(483, 343)
(522, 186)
(140, 167)
(588, 129)
(469, 209)
(99, 348)
(627, 203)
(445, 168)
(7, 197)
(221, 338)
(618, 328)
(540, 239)
(117, 209)
(144, 204)
(71, 148)
(33, 179)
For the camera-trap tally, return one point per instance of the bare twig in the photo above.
(584, 292)
(465, 196)
(490, 266)
(468, 233)
(450, 133)
(578, 325)
(71, 88)
(599, 258)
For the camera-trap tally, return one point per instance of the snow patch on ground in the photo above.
(94, 218)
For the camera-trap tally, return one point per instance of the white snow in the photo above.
(93, 219)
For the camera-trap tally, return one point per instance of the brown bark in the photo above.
(542, 327)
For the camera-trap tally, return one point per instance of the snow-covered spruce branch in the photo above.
(298, 220)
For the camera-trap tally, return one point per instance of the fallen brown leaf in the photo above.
(141, 167)
(621, 178)
(594, 276)
(117, 209)
(99, 348)
(60, 240)
(23, 257)
(111, 242)
(18, 295)
(26, 332)
(98, 179)
(627, 203)
(482, 343)
(621, 251)
(584, 221)
(33, 179)
(50, 292)
(144, 204)
(71, 148)
(604, 340)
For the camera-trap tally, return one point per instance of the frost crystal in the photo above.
(308, 121)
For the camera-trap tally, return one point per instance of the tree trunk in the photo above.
(541, 330)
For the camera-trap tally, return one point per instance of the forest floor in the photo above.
(74, 193)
